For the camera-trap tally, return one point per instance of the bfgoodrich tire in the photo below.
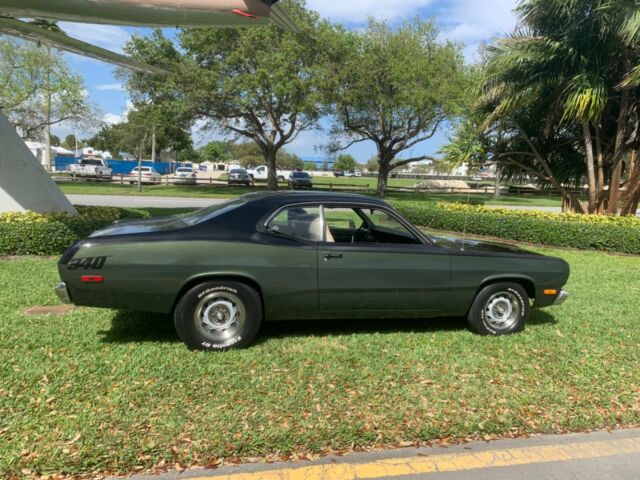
(499, 309)
(218, 316)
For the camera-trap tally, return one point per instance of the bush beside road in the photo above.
(76, 388)
(584, 232)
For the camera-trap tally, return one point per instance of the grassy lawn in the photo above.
(226, 192)
(109, 391)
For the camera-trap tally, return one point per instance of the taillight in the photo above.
(92, 279)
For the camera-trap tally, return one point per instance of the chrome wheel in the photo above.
(503, 310)
(220, 316)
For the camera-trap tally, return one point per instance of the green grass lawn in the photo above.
(108, 391)
(226, 192)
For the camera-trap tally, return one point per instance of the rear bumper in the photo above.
(63, 292)
(561, 298)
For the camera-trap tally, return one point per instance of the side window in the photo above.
(342, 218)
(343, 225)
(386, 229)
(304, 223)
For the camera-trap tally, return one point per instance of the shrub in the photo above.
(51, 234)
(589, 232)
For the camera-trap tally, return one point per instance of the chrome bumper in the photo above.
(63, 293)
(561, 298)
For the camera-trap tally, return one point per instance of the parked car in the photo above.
(300, 180)
(357, 173)
(270, 256)
(148, 175)
(349, 173)
(91, 169)
(262, 173)
(185, 176)
(338, 173)
(239, 176)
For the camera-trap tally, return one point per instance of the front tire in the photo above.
(218, 316)
(499, 309)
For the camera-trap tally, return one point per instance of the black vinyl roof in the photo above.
(280, 198)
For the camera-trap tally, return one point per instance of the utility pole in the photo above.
(47, 112)
(153, 145)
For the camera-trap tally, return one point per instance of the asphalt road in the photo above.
(141, 201)
(595, 456)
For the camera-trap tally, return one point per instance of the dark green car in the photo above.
(224, 270)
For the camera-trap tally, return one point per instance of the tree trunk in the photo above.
(272, 169)
(618, 154)
(591, 173)
(602, 194)
(383, 176)
(631, 197)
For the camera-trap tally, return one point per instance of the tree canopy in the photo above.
(33, 76)
(559, 101)
(256, 84)
(392, 87)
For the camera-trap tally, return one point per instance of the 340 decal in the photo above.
(88, 263)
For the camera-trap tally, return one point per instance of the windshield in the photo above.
(211, 212)
(300, 175)
(238, 172)
(184, 170)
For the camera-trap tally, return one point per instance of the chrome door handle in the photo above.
(332, 256)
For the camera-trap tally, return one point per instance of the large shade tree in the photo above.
(38, 90)
(572, 70)
(392, 87)
(254, 84)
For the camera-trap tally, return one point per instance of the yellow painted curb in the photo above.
(457, 462)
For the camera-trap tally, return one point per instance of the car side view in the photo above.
(224, 270)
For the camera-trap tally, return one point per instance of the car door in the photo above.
(360, 276)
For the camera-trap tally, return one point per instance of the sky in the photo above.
(469, 22)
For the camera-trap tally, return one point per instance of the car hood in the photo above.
(131, 227)
(479, 246)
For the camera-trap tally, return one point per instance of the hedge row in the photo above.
(588, 232)
(51, 234)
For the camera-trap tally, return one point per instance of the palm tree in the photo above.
(581, 60)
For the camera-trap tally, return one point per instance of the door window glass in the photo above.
(387, 229)
(304, 223)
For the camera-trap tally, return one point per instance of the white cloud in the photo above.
(111, 87)
(115, 118)
(358, 11)
(105, 36)
(472, 22)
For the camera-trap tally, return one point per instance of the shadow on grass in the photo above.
(131, 327)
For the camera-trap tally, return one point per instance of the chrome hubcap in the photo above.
(503, 310)
(219, 316)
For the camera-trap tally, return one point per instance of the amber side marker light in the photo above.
(551, 292)
(91, 279)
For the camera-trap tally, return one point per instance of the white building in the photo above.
(38, 149)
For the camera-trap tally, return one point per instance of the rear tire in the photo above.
(499, 309)
(218, 316)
